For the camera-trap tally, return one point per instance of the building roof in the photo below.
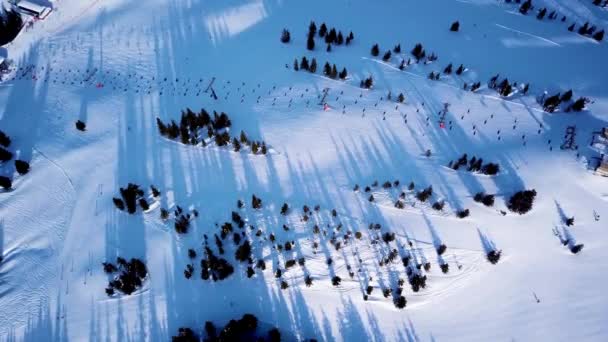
(32, 7)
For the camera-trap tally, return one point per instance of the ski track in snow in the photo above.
(529, 35)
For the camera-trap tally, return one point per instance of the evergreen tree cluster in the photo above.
(22, 167)
(244, 329)
(554, 102)
(425, 194)
(504, 88)
(521, 202)
(331, 36)
(367, 83)
(474, 164)
(195, 128)
(328, 70)
(130, 277)
(10, 25)
(485, 199)
(214, 267)
(586, 29)
(131, 196)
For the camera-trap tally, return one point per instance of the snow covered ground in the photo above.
(118, 65)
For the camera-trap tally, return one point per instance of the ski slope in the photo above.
(118, 65)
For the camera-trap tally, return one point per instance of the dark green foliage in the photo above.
(182, 223)
(10, 25)
(493, 256)
(185, 335)
(455, 26)
(303, 65)
(5, 155)
(367, 83)
(438, 205)
(5, 140)
(144, 204)
(274, 335)
(310, 43)
(256, 203)
(441, 249)
(387, 56)
(400, 302)
(214, 267)
(425, 194)
(463, 213)
(243, 253)
(579, 104)
(375, 50)
(119, 203)
(22, 167)
(130, 277)
(81, 126)
(576, 248)
(418, 52)
(551, 103)
(525, 7)
(285, 36)
(521, 202)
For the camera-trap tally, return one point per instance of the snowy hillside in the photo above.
(372, 224)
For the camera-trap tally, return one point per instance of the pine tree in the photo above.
(387, 56)
(448, 69)
(312, 29)
(397, 48)
(313, 66)
(243, 138)
(322, 30)
(571, 27)
(340, 39)
(310, 44)
(327, 69)
(455, 26)
(296, 67)
(285, 36)
(599, 36)
(5, 182)
(304, 64)
(583, 30)
(525, 7)
(375, 50)
(5, 155)
(343, 73)
(22, 167)
(579, 104)
(81, 126)
(332, 36)
(567, 96)
(236, 144)
(541, 14)
(460, 70)
(328, 47)
(418, 52)
(401, 98)
(402, 65)
(334, 72)
(5, 140)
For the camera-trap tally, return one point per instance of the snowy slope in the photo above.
(59, 224)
